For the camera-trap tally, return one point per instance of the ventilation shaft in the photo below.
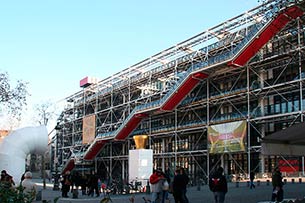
(15, 147)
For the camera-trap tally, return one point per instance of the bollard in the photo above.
(75, 193)
(39, 196)
(258, 183)
(147, 188)
(198, 187)
(300, 180)
(237, 184)
(292, 180)
(285, 181)
(268, 182)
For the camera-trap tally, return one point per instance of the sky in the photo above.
(53, 44)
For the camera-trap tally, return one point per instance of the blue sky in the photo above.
(53, 44)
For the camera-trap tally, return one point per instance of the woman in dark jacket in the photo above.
(179, 186)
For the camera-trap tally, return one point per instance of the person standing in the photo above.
(166, 185)
(66, 183)
(29, 187)
(218, 185)
(277, 183)
(179, 186)
(156, 180)
(93, 185)
(252, 176)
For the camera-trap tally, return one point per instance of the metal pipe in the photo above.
(15, 147)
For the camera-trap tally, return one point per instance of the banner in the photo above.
(289, 165)
(227, 137)
(88, 129)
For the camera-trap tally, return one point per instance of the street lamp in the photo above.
(56, 177)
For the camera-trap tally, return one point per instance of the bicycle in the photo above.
(106, 198)
(146, 200)
(134, 186)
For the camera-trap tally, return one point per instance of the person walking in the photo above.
(66, 183)
(156, 180)
(29, 187)
(179, 186)
(252, 176)
(218, 185)
(277, 183)
(166, 186)
(93, 185)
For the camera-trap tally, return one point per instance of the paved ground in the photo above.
(241, 194)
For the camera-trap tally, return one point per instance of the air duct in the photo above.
(15, 147)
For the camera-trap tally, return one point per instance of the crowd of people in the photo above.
(161, 184)
(89, 184)
(26, 185)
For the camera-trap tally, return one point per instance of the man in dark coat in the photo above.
(218, 185)
(277, 183)
(66, 184)
(252, 176)
(93, 185)
(179, 186)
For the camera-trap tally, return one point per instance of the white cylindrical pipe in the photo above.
(15, 147)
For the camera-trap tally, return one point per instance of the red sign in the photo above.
(291, 165)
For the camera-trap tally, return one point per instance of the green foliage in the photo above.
(15, 195)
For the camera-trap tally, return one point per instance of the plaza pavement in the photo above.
(241, 194)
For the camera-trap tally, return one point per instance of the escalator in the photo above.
(276, 17)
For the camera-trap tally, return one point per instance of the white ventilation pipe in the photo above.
(15, 147)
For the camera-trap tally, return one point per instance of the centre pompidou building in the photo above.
(206, 101)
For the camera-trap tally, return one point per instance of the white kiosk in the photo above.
(140, 161)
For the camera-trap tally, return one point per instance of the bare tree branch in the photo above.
(12, 99)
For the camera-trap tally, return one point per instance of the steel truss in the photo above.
(267, 92)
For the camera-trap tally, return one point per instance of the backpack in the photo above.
(165, 185)
(216, 182)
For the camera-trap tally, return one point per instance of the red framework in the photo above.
(270, 31)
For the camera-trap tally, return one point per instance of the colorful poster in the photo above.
(88, 129)
(227, 137)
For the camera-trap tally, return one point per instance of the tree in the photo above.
(44, 113)
(12, 100)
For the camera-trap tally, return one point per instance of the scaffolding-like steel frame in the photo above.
(266, 91)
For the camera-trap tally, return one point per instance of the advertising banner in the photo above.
(88, 129)
(227, 137)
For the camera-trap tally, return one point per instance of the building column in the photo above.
(262, 157)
